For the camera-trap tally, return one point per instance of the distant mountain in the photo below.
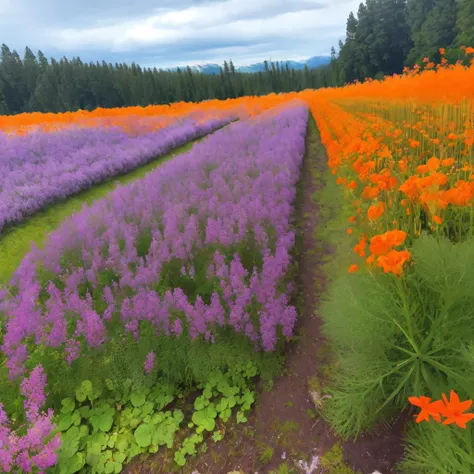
(313, 62)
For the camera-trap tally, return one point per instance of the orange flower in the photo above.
(427, 408)
(433, 164)
(447, 162)
(353, 268)
(393, 262)
(376, 210)
(453, 410)
(349, 231)
(442, 51)
(383, 243)
(352, 219)
(438, 220)
(360, 247)
(370, 192)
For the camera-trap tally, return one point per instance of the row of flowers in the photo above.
(41, 168)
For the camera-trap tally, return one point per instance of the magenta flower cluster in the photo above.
(40, 168)
(234, 189)
(35, 450)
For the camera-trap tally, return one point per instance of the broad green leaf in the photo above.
(68, 405)
(138, 398)
(75, 464)
(105, 423)
(142, 435)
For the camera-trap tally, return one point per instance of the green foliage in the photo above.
(101, 430)
(266, 454)
(332, 462)
(16, 241)
(437, 31)
(432, 448)
(394, 338)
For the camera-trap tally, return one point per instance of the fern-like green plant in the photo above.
(394, 338)
(431, 448)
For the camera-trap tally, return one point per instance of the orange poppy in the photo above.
(376, 210)
(353, 268)
(427, 408)
(453, 410)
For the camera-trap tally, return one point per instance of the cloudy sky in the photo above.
(166, 33)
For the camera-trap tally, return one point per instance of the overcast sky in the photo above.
(166, 33)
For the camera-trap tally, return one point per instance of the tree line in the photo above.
(382, 38)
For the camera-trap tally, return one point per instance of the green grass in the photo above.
(15, 242)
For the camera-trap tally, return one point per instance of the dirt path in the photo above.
(285, 427)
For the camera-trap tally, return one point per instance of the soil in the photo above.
(285, 424)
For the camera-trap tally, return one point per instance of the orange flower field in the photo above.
(403, 150)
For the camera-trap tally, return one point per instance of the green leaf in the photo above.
(119, 457)
(142, 435)
(122, 444)
(64, 422)
(241, 417)
(179, 458)
(68, 450)
(71, 434)
(112, 440)
(225, 414)
(147, 408)
(207, 393)
(68, 405)
(84, 391)
(85, 411)
(105, 423)
(75, 464)
(138, 398)
(178, 416)
(199, 403)
(94, 448)
(222, 405)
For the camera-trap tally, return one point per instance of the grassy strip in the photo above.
(15, 242)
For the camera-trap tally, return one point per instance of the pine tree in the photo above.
(465, 24)
(417, 12)
(438, 31)
(31, 72)
(12, 80)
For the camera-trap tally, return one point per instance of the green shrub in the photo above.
(432, 448)
(394, 338)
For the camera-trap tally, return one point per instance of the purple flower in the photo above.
(235, 189)
(150, 362)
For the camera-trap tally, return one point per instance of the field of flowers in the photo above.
(402, 151)
(142, 321)
(123, 300)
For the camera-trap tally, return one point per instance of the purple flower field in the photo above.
(219, 215)
(41, 168)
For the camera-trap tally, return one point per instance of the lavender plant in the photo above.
(32, 447)
(40, 168)
(196, 251)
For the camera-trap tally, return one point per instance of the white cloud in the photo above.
(245, 30)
